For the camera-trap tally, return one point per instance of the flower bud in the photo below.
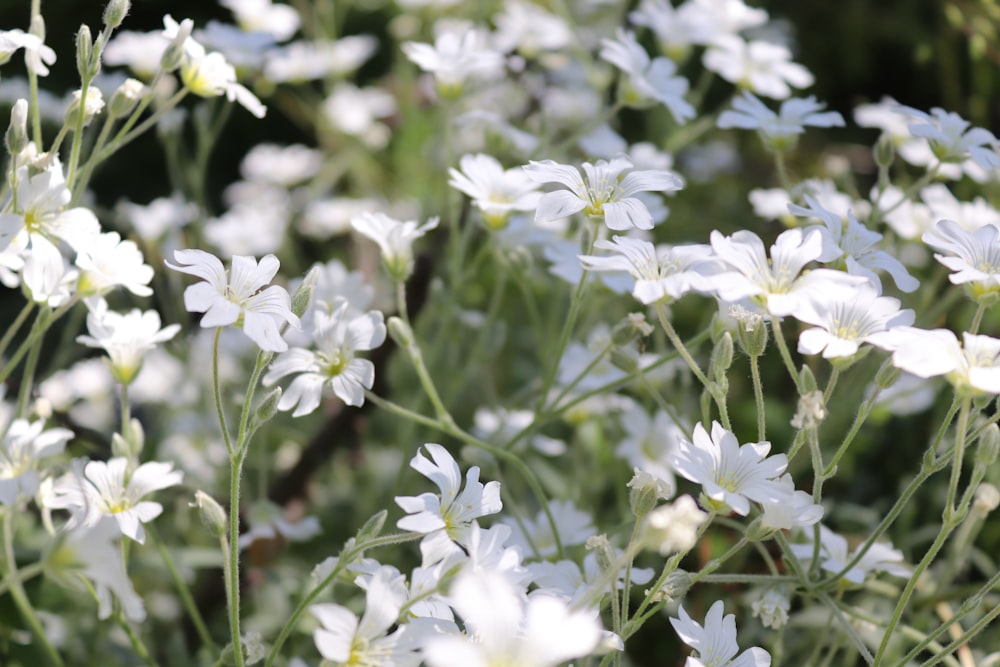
(884, 151)
(399, 331)
(674, 588)
(646, 491)
(986, 499)
(772, 608)
(173, 55)
(624, 358)
(989, 446)
(887, 374)
(372, 527)
(751, 330)
(603, 551)
(251, 647)
(115, 12)
(212, 514)
(807, 380)
(124, 99)
(632, 328)
(303, 295)
(266, 409)
(16, 137)
(722, 358)
(84, 53)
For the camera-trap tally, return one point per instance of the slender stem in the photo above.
(28, 377)
(977, 319)
(14, 579)
(37, 331)
(758, 393)
(233, 569)
(126, 410)
(23, 574)
(81, 116)
(137, 645)
(710, 387)
(786, 356)
(15, 325)
(218, 393)
(182, 589)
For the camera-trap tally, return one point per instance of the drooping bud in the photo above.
(645, 491)
(884, 151)
(722, 358)
(399, 331)
(16, 137)
(303, 295)
(211, 513)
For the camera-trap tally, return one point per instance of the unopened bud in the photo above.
(722, 358)
(645, 492)
(372, 527)
(751, 330)
(885, 151)
(115, 12)
(674, 588)
(212, 514)
(632, 328)
(303, 295)
(989, 445)
(986, 499)
(266, 409)
(173, 55)
(887, 374)
(807, 381)
(400, 331)
(17, 132)
(603, 550)
(85, 53)
(124, 99)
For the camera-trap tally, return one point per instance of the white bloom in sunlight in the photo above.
(530, 29)
(457, 55)
(973, 366)
(448, 516)
(126, 338)
(240, 298)
(36, 54)
(394, 238)
(307, 61)
(674, 31)
(347, 640)
(107, 262)
(674, 528)
(159, 217)
(790, 508)
(93, 553)
(972, 256)
(834, 557)
(535, 537)
(338, 339)
(715, 642)
(971, 215)
(355, 111)
(649, 442)
(845, 320)
(268, 522)
(209, 75)
(326, 217)
(281, 21)
(661, 273)
(730, 474)
(500, 425)
(952, 139)
(774, 282)
(778, 130)
(281, 165)
(495, 191)
(107, 489)
(855, 244)
(540, 631)
(762, 67)
(139, 51)
(24, 445)
(567, 580)
(603, 194)
(647, 80)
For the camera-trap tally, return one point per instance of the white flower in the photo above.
(239, 298)
(765, 68)
(674, 528)
(649, 441)
(448, 516)
(126, 338)
(347, 640)
(394, 238)
(778, 130)
(496, 192)
(540, 631)
(855, 244)
(605, 194)
(456, 56)
(339, 337)
(355, 111)
(281, 165)
(845, 320)
(209, 75)
(24, 445)
(140, 51)
(973, 366)
(534, 535)
(306, 61)
(730, 474)
(661, 273)
(36, 54)
(772, 608)
(107, 262)
(647, 80)
(106, 489)
(716, 641)
(834, 557)
(774, 282)
(530, 29)
(789, 508)
(973, 256)
(281, 21)
(952, 139)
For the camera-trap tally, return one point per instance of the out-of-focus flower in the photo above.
(457, 56)
(126, 338)
(647, 80)
(762, 67)
(715, 642)
(394, 238)
(834, 557)
(496, 192)
(778, 130)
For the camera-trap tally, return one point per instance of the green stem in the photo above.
(218, 394)
(786, 356)
(675, 340)
(977, 319)
(23, 574)
(233, 568)
(28, 377)
(182, 589)
(37, 331)
(137, 645)
(758, 393)
(14, 579)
